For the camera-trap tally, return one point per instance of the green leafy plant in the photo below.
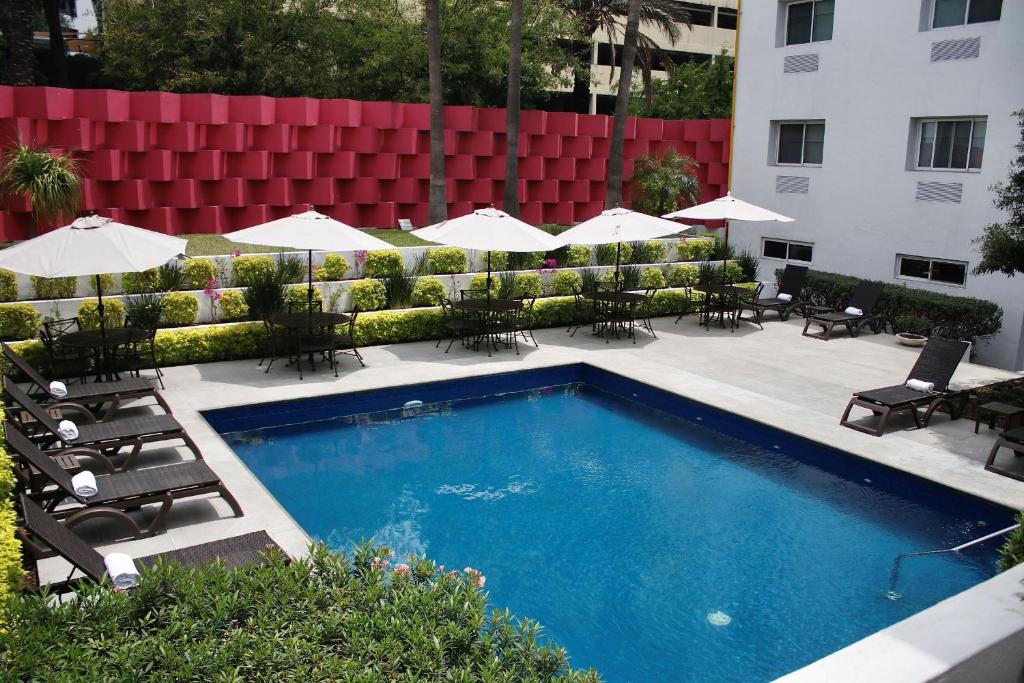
(297, 296)
(447, 260)
(604, 254)
(685, 275)
(429, 291)
(566, 282)
(145, 310)
(1012, 552)
(233, 306)
(8, 286)
(526, 260)
(701, 249)
(398, 287)
(197, 273)
(590, 278)
(89, 314)
(1002, 244)
(290, 269)
(478, 283)
(912, 324)
(368, 294)
(265, 295)
(54, 287)
(576, 256)
(18, 321)
(244, 268)
(180, 308)
(652, 278)
(652, 251)
(383, 262)
(334, 268)
(106, 283)
(529, 284)
(499, 260)
(749, 263)
(506, 284)
(664, 183)
(171, 277)
(11, 574)
(51, 182)
(629, 277)
(141, 282)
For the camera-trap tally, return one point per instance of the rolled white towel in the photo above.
(782, 296)
(853, 310)
(58, 389)
(921, 385)
(122, 571)
(84, 484)
(67, 430)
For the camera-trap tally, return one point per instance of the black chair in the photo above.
(584, 312)
(688, 308)
(277, 343)
(791, 285)
(456, 326)
(139, 355)
(65, 363)
(524, 321)
(345, 341)
(645, 309)
(864, 298)
(304, 306)
(745, 300)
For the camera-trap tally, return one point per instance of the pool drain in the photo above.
(719, 618)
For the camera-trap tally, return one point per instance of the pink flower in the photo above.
(379, 563)
(238, 252)
(475, 576)
(550, 263)
(403, 569)
(361, 257)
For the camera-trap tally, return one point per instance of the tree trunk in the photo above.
(438, 209)
(512, 110)
(58, 52)
(613, 196)
(18, 61)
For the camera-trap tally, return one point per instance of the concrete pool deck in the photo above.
(773, 375)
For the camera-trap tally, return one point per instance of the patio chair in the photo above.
(864, 297)
(95, 395)
(644, 310)
(1012, 439)
(690, 305)
(109, 437)
(619, 316)
(303, 306)
(277, 343)
(792, 284)
(457, 326)
(936, 364)
(141, 355)
(345, 341)
(584, 312)
(308, 343)
(67, 364)
(119, 491)
(43, 536)
(524, 321)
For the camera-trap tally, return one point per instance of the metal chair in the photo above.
(345, 341)
(67, 364)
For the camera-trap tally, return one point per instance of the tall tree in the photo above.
(1002, 244)
(613, 195)
(512, 116)
(438, 208)
(58, 51)
(18, 63)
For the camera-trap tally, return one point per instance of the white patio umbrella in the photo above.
(92, 245)
(489, 230)
(728, 208)
(310, 231)
(618, 225)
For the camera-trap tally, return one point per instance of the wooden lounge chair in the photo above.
(96, 394)
(936, 364)
(43, 536)
(1014, 440)
(118, 492)
(864, 297)
(792, 284)
(109, 437)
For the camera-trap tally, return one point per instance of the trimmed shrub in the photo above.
(106, 282)
(18, 321)
(566, 282)
(197, 272)
(652, 278)
(700, 249)
(428, 291)
(368, 295)
(180, 308)
(953, 317)
(529, 284)
(233, 306)
(733, 271)
(244, 268)
(8, 286)
(605, 254)
(334, 268)
(447, 260)
(685, 275)
(54, 287)
(89, 314)
(499, 260)
(10, 549)
(479, 282)
(141, 283)
(526, 260)
(382, 263)
(577, 256)
(651, 251)
(298, 296)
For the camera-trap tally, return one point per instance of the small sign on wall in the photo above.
(405, 224)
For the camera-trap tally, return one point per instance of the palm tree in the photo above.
(18, 60)
(438, 207)
(606, 16)
(613, 196)
(515, 62)
(660, 183)
(51, 182)
(58, 52)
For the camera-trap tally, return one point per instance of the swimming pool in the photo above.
(652, 536)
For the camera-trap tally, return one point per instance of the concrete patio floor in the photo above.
(773, 375)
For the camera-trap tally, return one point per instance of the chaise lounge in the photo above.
(1012, 439)
(864, 298)
(790, 287)
(935, 366)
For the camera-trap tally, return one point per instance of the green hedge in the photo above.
(604, 254)
(577, 256)
(180, 308)
(232, 305)
(19, 321)
(89, 314)
(245, 268)
(8, 285)
(953, 317)
(700, 249)
(653, 251)
(334, 268)
(565, 282)
(54, 287)
(197, 273)
(10, 548)
(298, 296)
(447, 260)
(106, 282)
(652, 278)
(428, 291)
(368, 295)
(382, 263)
(141, 283)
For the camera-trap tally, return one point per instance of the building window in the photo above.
(700, 15)
(931, 269)
(726, 18)
(786, 250)
(955, 144)
(809, 22)
(800, 143)
(959, 12)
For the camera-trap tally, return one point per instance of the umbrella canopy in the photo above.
(489, 230)
(620, 225)
(730, 209)
(93, 245)
(309, 231)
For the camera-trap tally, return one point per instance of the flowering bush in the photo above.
(652, 278)
(19, 321)
(700, 249)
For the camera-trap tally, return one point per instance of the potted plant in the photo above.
(912, 330)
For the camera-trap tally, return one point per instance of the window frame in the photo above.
(811, 40)
(789, 244)
(803, 142)
(932, 6)
(931, 266)
(948, 169)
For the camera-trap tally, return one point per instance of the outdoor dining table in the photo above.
(721, 300)
(104, 345)
(299, 324)
(490, 313)
(609, 301)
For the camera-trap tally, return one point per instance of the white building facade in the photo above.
(880, 125)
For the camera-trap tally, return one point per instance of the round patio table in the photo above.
(610, 309)
(99, 342)
(302, 320)
(490, 312)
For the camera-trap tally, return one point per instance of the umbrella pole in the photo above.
(725, 250)
(103, 325)
(618, 252)
(309, 292)
(488, 279)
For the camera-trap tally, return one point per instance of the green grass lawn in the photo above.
(214, 245)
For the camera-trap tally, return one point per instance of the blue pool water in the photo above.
(629, 522)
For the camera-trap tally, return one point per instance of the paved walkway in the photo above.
(773, 375)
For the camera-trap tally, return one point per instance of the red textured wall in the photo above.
(214, 163)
